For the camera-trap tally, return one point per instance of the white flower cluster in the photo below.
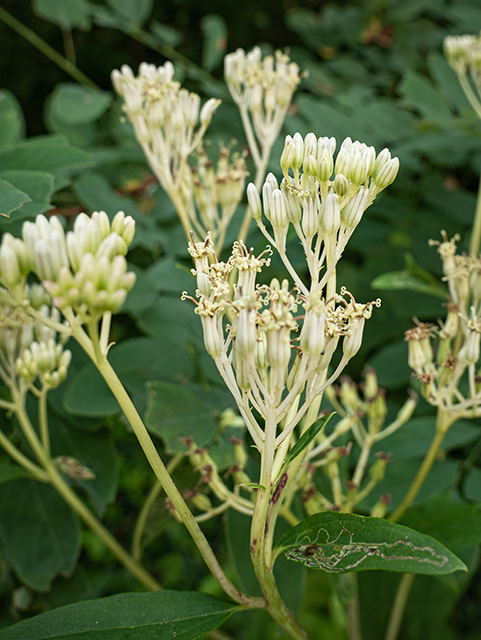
(165, 117)
(84, 270)
(464, 53)
(262, 87)
(257, 354)
(459, 336)
(29, 348)
(322, 197)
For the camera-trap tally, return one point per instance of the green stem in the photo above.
(43, 421)
(22, 460)
(161, 472)
(443, 421)
(147, 506)
(260, 535)
(353, 613)
(46, 49)
(476, 232)
(71, 498)
(399, 605)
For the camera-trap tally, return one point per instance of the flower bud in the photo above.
(354, 209)
(208, 111)
(254, 201)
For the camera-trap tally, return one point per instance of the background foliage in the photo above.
(377, 74)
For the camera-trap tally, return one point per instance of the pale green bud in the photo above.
(208, 110)
(310, 217)
(341, 185)
(254, 201)
(331, 218)
(246, 337)
(469, 352)
(325, 166)
(299, 155)
(353, 341)
(387, 174)
(43, 263)
(354, 209)
(293, 207)
(382, 159)
(278, 210)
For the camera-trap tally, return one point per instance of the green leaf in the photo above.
(165, 34)
(214, 30)
(95, 451)
(75, 104)
(175, 412)
(12, 123)
(160, 615)
(74, 13)
(39, 186)
(338, 543)
(11, 198)
(305, 440)
(391, 364)
(131, 14)
(39, 533)
(12, 472)
(414, 438)
(455, 524)
(419, 93)
(51, 154)
(413, 278)
(135, 361)
(472, 484)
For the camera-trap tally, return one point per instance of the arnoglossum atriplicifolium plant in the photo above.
(278, 347)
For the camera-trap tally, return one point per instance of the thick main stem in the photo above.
(260, 535)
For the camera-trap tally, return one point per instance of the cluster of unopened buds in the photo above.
(323, 198)
(262, 88)
(167, 119)
(440, 371)
(84, 270)
(29, 349)
(363, 412)
(464, 55)
(170, 125)
(216, 192)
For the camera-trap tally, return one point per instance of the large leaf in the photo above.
(51, 154)
(12, 124)
(419, 93)
(455, 524)
(160, 615)
(95, 451)
(338, 543)
(214, 30)
(40, 535)
(74, 13)
(11, 198)
(135, 361)
(177, 411)
(38, 185)
(74, 104)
